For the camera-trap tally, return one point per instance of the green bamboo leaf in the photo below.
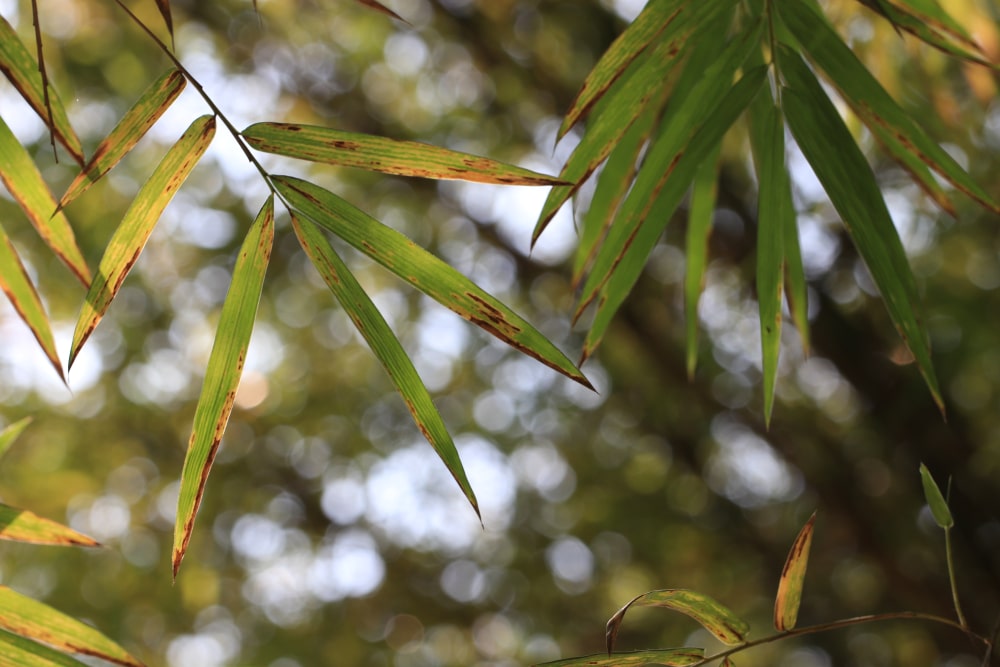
(20, 652)
(931, 14)
(627, 252)
(929, 31)
(423, 270)
(39, 622)
(21, 68)
(19, 525)
(127, 242)
(389, 156)
(16, 284)
(672, 657)
(796, 291)
(717, 619)
(935, 499)
(11, 432)
(370, 324)
(152, 104)
(26, 185)
(890, 124)
(222, 375)
(789, 597)
(850, 183)
(703, 194)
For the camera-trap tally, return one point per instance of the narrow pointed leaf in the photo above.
(786, 602)
(20, 652)
(423, 270)
(726, 626)
(626, 254)
(222, 375)
(130, 238)
(19, 525)
(379, 7)
(152, 104)
(20, 67)
(16, 284)
(26, 185)
(672, 657)
(932, 14)
(168, 20)
(890, 124)
(11, 432)
(850, 183)
(389, 156)
(39, 622)
(935, 499)
(375, 330)
(703, 194)
(932, 33)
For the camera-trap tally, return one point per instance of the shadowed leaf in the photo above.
(423, 270)
(37, 621)
(164, 7)
(722, 623)
(26, 186)
(672, 657)
(19, 525)
(935, 499)
(222, 375)
(20, 67)
(156, 99)
(389, 156)
(786, 602)
(379, 7)
(20, 652)
(373, 327)
(703, 194)
(11, 432)
(127, 242)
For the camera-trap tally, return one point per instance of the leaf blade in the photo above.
(671, 657)
(789, 596)
(703, 196)
(17, 651)
(935, 499)
(17, 525)
(714, 617)
(12, 432)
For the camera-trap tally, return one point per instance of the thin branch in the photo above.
(45, 77)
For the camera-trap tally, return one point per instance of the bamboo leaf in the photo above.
(935, 499)
(164, 7)
(20, 652)
(672, 657)
(11, 432)
(703, 194)
(127, 242)
(39, 622)
(156, 99)
(19, 525)
(389, 156)
(717, 619)
(20, 67)
(931, 14)
(379, 7)
(26, 185)
(222, 375)
(423, 270)
(850, 183)
(16, 284)
(370, 324)
(786, 603)
(929, 31)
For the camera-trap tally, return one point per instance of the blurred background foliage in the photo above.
(330, 531)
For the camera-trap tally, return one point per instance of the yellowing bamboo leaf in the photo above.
(39, 622)
(389, 156)
(222, 375)
(19, 525)
(423, 270)
(20, 67)
(717, 619)
(133, 231)
(935, 499)
(156, 99)
(20, 652)
(671, 657)
(375, 330)
(16, 284)
(11, 432)
(703, 194)
(786, 603)
(26, 185)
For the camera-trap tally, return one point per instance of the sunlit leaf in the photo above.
(16, 284)
(28, 188)
(152, 104)
(20, 67)
(389, 156)
(717, 619)
(935, 499)
(19, 525)
(11, 432)
(786, 602)
(830, 149)
(672, 657)
(423, 270)
(703, 193)
(373, 327)
(20, 652)
(37, 621)
(222, 375)
(127, 242)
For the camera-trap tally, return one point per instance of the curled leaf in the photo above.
(717, 619)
